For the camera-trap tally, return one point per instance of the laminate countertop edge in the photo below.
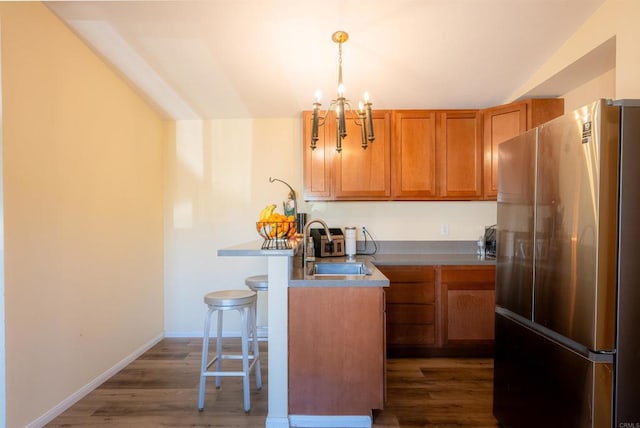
(431, 260)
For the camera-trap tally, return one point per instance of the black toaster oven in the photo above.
(324, 248)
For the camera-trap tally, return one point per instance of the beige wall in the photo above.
(603, 86)
(615, 18)
(83, 187)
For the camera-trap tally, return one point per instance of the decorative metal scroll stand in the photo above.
(292, 196)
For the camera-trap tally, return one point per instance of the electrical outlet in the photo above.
(444, 229)
(362, 228)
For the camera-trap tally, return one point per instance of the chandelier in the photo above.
(341, 105)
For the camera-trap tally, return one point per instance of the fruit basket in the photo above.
(276, 234)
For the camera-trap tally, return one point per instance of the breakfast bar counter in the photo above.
(359, 301)
(279, 262)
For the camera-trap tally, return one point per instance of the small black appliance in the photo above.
(324, 248)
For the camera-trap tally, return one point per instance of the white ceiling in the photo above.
(266, 58)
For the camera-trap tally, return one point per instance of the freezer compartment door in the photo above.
(539, 383)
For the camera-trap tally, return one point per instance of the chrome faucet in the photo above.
(305, 236)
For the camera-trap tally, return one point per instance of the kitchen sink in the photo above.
(340, 268)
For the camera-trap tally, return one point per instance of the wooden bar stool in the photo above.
(258, 283)
(243, 301)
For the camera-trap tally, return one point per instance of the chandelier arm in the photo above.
(363, 127)
(369, 117)
(338, 136)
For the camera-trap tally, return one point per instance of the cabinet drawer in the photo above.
(410, 314)
(476, 274)
(411, 334)
(411, 293)
(409, 273)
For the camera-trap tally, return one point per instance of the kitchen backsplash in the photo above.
(408, 221)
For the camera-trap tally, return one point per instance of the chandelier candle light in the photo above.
(341, 106)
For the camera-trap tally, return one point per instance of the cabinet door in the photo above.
(500, 124)
(364, 174)
(508, 121)
(460, 155)
(317, 163)
(468, 302)
(336, 350)
(414, 155)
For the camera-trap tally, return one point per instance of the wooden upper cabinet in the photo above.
(460, 155)
(508, 121)
(364, 174)
(317, 163)
(436, 155)
(413, 151)
(428, 155)
(354, 173)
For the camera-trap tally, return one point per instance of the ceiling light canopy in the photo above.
(342, 107)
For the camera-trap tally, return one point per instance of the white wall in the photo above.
(217, 181)
(409, 221)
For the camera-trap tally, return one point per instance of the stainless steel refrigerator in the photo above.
(567, 345)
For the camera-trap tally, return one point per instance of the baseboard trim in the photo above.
(199, 334)
(312, 421)
(277, 422)
(82, 392)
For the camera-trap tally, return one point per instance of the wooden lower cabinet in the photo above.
(336, 350)
(412, 318)
(440, 310)
(468, 307)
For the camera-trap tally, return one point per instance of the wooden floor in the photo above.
(160, 389)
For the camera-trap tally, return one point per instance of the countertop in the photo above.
(377, 279)
(389, 253)
(426, 253)
(254, 248)
(430, 259)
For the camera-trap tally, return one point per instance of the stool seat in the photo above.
(229, 298)
(257, 282)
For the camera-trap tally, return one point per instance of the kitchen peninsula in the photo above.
(298, 339)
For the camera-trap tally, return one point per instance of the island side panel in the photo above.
(278, 272)
(336, 350)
